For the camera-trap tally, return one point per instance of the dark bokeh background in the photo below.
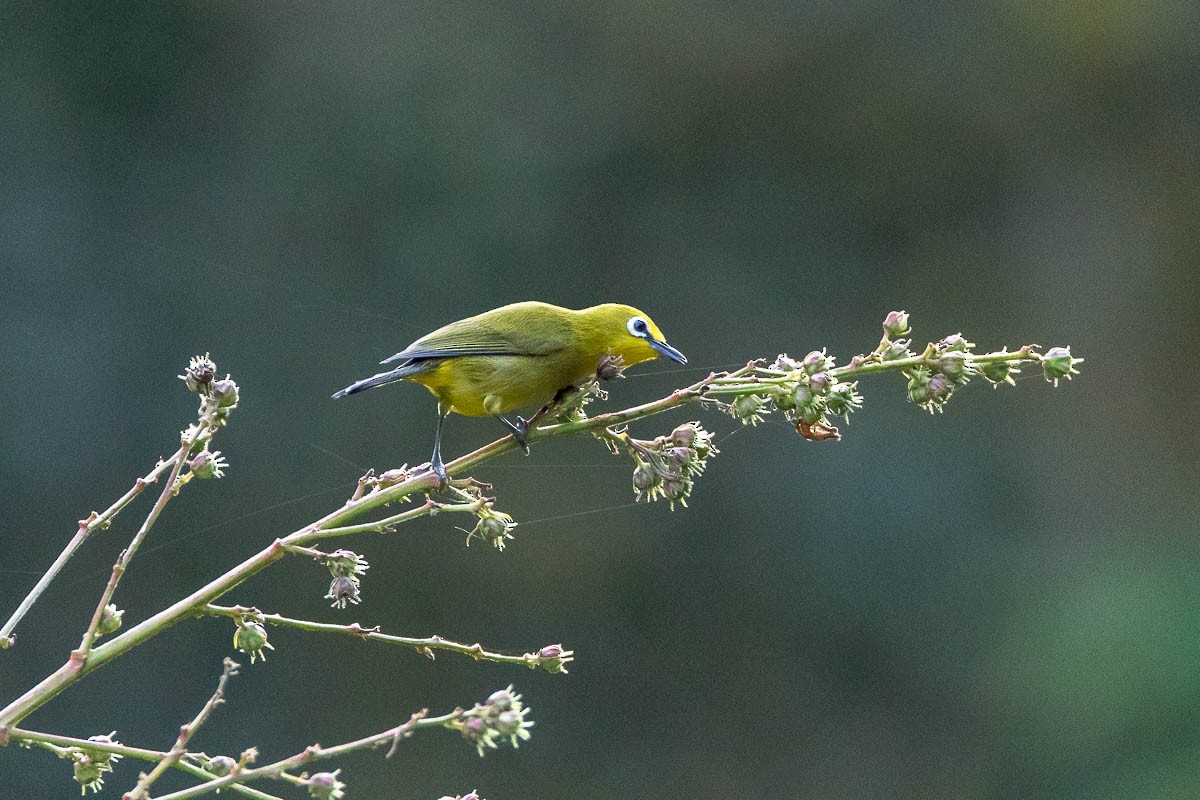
(996, 602)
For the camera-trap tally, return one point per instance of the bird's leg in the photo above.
(435, 463)
(518, 429)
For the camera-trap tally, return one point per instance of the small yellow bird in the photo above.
(518, 356)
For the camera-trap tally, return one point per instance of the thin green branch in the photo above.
(315, 752)
(552, 662)
(169, 490)
(186, 732)
(61, 745)
(95, 522)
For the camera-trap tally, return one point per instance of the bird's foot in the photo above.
(437, 468)
(519, 431)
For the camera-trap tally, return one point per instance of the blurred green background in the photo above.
(997, 602)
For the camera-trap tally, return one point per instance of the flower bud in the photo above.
(821, 382)
(251, 638)
(954, 365)
(684, 435)
(896, 350)
(895, 323)
(644, 478)
(110, 620)
(610, 367)
(813, 412)
(344, 590)
(554, 658)
(208, 464)
(999, 372)
(748, 408)
(674, 489)
(508, 723)
(501, 699)
(918, 388)
(817, 361)
(955, 341)
(199, 374)
(326, 786)
(493, 526)
(939, 387)
(220, 765)
(843, 399)
(225, 392)
(784, 364)
(1058, 363)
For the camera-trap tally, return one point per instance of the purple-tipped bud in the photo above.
(225, 392)
(208, 464)
(953, 365)
(896, 323)
(501, 700)
(554, 658)
(821, 382)
(326, 786)
(508, 723)
(955, 341)
(817, 361)
(199, 374)
(684, 435)
(644, 478)
(939, 387)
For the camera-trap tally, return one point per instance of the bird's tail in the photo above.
(391, 376)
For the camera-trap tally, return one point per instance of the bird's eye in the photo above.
(637, 326)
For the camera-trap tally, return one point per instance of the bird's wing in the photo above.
(519, 332)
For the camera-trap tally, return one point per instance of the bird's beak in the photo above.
(667, 350)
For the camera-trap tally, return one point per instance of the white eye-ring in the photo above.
(638, 327)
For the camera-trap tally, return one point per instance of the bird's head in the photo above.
(627, 332)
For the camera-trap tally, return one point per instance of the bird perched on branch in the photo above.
(516, 357)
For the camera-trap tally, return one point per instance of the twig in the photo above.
(193, 435)
(59, 745)
(186, 732)
(424, 646)
(87, 527)
(315, 752)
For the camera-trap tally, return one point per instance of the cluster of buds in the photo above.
(667, 466)
(811, 393)
(91, 765)
(500, 719)
(494, 527)
(951, 365)
(346, 567)
(218, 397)
(326, 786)
(250, 638)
